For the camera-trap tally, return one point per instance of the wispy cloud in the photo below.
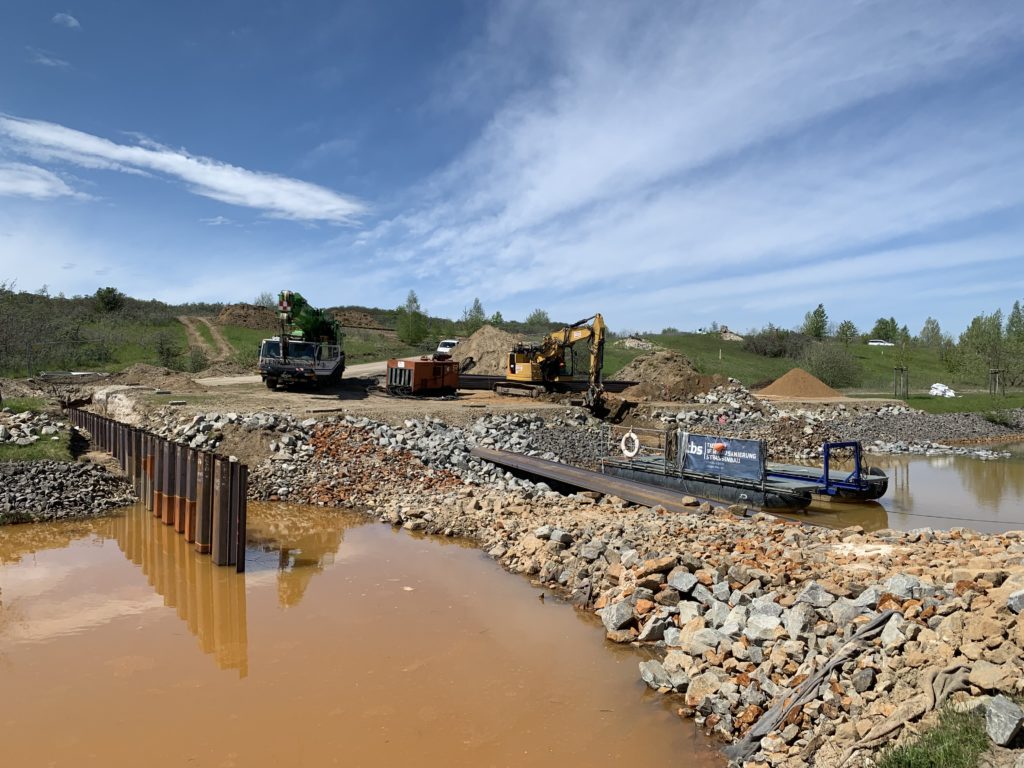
(22, 180)
(666, 145)
(215, 221)
(45, 58)
(274, 195)
(65, 20)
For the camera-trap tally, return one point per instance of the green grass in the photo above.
(206, 333)
(957, 741)
(135, 344)
(708, 353)
(44, 449)
(369, 347)
(924, 368)
(244, 340)
(21, 404)
(360, 346)
(970, 402)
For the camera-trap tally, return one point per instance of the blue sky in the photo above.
(663, 163)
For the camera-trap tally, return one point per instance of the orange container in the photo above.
(421, 375)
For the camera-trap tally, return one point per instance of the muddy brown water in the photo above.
(938, 492)
(345, 643)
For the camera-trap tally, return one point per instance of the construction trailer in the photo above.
(422, 376)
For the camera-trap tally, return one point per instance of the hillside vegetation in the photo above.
(104, 332)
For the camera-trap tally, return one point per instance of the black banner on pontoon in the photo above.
(723, 456)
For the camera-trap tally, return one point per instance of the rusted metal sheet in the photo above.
(201, 495)
(204, 503)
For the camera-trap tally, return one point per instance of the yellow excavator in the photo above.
(549, 365)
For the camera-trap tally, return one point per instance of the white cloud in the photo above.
(45, 58)
(669, 144)
(215, 221)
(277, 196)
(65, 20)
(21, 180)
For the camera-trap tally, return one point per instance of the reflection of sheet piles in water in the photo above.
(304, 546)
(210, 600)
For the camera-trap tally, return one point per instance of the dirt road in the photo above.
(219, 351)
(360, 371)
(357, 393)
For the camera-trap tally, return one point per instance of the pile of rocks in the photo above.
(934, 449)
(26, 428)
(33, 491)
(915, 427)
(797, 433)
(286, 436)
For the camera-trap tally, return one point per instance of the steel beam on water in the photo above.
(585, 479)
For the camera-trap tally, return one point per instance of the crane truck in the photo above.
(308, 348)
(536, 368)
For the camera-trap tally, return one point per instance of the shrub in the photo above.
(197, 359)
(776, 342)
(832, 363)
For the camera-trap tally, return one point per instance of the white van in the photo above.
(447, 346)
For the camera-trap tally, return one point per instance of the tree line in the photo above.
(989, 342)
(414, 326)
(44, 332)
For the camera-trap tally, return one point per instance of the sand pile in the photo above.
(489, 347)
(248, 316)
(154, 376)
(664, 375)
(798, 383)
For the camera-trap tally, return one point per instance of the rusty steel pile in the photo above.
(202, 495)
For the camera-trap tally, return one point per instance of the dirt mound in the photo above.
(248, 316)
(154, 376)
(664, 375)
(799, 383)
(489, 347)
(354, 318)
(226, 368)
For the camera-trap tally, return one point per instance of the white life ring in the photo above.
(633, 442)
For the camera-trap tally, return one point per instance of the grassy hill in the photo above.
(709, 354)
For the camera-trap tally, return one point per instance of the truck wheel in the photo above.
(271, 383)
